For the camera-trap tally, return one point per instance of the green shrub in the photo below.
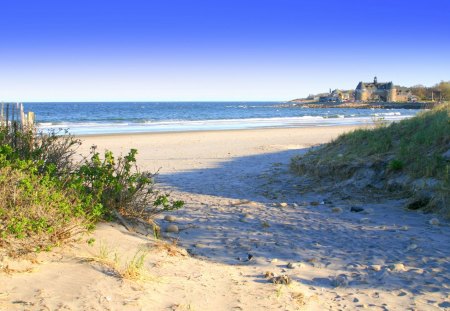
(119, 186)
(46, 196)
(35, 212)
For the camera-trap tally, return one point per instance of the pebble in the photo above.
(282, 204)
(269, 275)
(411, 247)
(363, 306)
(398, 267)
(172, 229)
(282, 279)
(336, 210)
(291, 265)
(356, 209)
(169, 218)
(434, 221)
(375, 267)
(339, 281)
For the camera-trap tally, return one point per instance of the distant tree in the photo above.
(420, 91)
(444, 89)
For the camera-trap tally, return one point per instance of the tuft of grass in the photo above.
(134, 269)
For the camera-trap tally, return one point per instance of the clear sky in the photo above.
(88, 50)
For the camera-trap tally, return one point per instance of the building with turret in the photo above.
(381, 92)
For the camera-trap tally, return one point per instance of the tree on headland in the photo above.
(420, 91)
(440, 91)
(444, 89)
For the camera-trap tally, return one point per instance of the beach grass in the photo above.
(414, 147)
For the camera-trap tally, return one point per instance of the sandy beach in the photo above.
(245, 217)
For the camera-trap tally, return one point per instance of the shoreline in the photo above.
(356, 126)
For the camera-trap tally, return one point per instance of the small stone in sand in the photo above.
(282, 279)
(169, 218)
(434, 221)
(291, 265)
(339, 281)
(356, 209)
(363, 306)
(375, 267)
(336, 210)
(398, 267)
(412, 247)
(282, 204)
(172, 229)
(294, 204)
(269, 275)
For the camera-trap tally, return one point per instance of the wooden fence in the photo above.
(13, 116)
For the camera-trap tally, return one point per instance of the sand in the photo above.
(245, 215)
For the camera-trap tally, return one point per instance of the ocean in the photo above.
(143, 117)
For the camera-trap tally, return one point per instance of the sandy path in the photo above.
(235, 184)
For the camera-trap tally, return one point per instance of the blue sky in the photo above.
(216, 50)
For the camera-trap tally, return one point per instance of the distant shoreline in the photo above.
(365, 105)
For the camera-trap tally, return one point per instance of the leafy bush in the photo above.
(35, 212)
(119, 186)
(46, 196)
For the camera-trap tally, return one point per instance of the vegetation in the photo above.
(440, 91)
(414, 148)
(46, 196)
(132, 269)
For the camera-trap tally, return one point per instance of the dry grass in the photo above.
(132, 269)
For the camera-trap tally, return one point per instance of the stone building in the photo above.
(381, 91)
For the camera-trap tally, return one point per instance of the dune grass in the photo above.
(414, 147)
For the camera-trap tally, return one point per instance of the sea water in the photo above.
(143, 117)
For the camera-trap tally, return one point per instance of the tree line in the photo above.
(438, 92)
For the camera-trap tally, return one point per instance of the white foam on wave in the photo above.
(223, 124)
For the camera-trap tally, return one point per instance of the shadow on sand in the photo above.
(216, 229)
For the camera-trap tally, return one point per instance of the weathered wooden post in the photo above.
(30, 118)
(1, 115)
(22, 117)
(7, 118)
